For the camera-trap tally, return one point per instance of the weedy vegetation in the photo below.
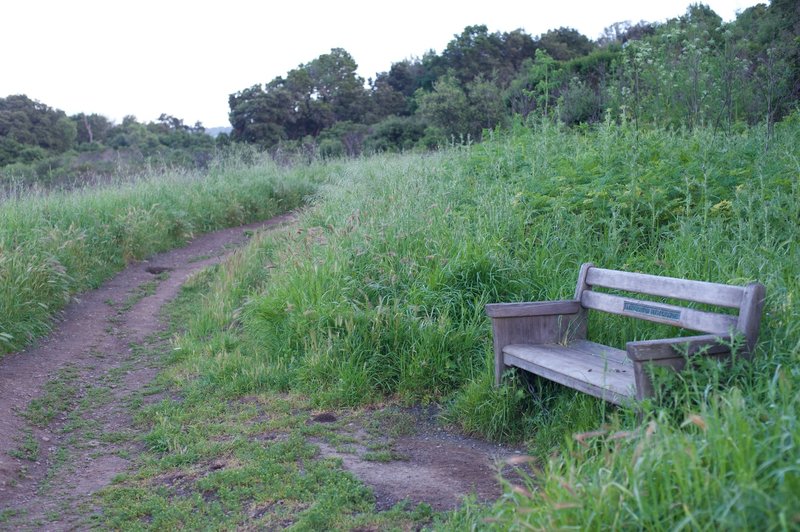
(220, 460)
(54, 244)
(378, 293)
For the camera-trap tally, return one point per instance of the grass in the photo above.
(380, 293)
(142, 291)
(382, 456)
(392, 423)
(719, 445)
(58, 397)
(54, 244)
(213, 461)
(28, 448)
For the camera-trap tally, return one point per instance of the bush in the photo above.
(395, 134)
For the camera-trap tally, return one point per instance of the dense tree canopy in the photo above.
(692, 70)
(29, 129)
(38, 142)
(312, 97)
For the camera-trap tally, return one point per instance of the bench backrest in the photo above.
(748, 300)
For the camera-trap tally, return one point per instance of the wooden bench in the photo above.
(549, 338)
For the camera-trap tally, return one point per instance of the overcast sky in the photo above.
(184, 57)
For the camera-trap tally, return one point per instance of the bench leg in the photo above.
(644, 384)
(499, 364)
(641, 372)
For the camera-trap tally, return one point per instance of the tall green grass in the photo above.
(54, 244)
(720, 447)
(380, 292)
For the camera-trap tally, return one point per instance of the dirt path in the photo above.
(67, 407)
(78, 383)
(419, 461)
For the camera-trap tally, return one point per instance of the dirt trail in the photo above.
(67, 406)
(81, 379)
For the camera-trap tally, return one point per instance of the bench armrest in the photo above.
(708, 344)
(539, 308)
(543, 322)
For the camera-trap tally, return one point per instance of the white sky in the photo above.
(184, 57)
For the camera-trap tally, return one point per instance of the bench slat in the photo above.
(619, 356)
(698, 291)
(538, 308)
(696, 320)
(591, 374)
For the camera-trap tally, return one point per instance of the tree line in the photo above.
(689, 71)
(38, 142)
(693, 70)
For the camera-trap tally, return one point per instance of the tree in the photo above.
(308, 114)
(614, 33)
(487, 106)
(29, 122)
(446, 107)
(579, 103)
(392, 92)
(564, 44)
(134, 137)
(477, 53)
(343, 138)
(171, 123)
(517, 47)
(396, 133)
(766, 41)
(92, 128)
(386, 100)
(407, 76)
(311, 98)
(261, 116)
(334, 81)
(535, 86)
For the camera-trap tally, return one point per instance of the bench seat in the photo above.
(596, 369)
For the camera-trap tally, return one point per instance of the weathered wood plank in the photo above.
(619, 356)
(573, 368)
(582, 285)
(644, 384)
(578, 365)
(710, 344)
(538, 308)
(696, 320)
(698, 291)
(575, 384)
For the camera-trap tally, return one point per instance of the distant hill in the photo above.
(214, 131)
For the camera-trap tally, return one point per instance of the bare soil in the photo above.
(66, 422)
(419, 460)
